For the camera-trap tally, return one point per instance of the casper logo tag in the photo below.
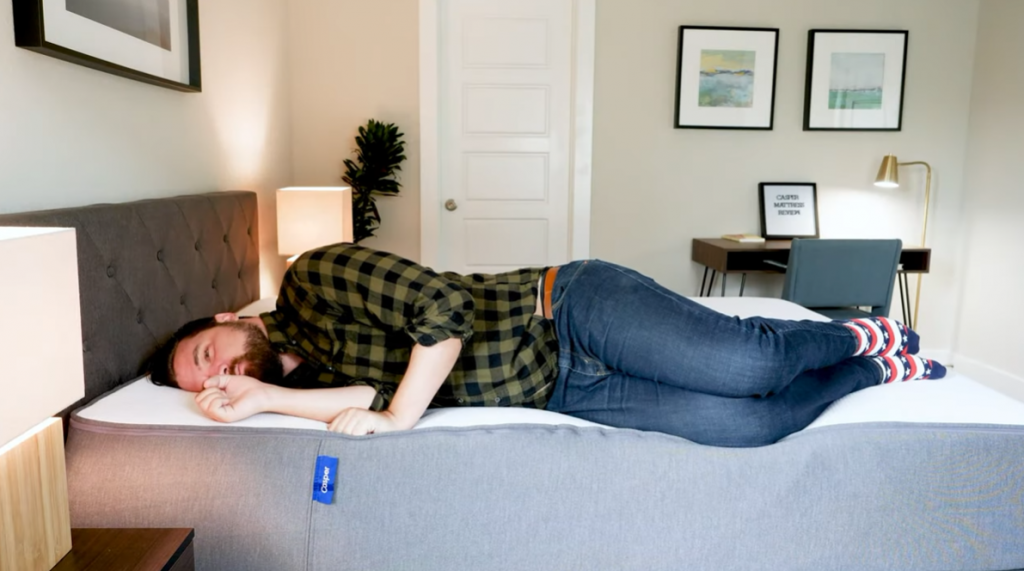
(323, 479)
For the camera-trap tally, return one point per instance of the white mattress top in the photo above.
(955, 399)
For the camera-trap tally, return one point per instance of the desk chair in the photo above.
(836, 277)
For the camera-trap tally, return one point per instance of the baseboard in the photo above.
(1002, 381)
(944, 356)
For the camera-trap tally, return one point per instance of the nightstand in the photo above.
(116, 549)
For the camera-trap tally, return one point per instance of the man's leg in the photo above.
(637, 327)
(627, 402)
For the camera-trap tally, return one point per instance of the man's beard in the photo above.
(260, 360)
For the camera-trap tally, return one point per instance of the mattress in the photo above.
(955, 399)
(918, 476)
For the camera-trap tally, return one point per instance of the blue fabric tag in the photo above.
(323, 479)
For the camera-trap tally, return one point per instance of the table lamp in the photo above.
(312, 216)
(41, 374)
(889, 177)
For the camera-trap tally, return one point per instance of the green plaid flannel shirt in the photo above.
(353, 314)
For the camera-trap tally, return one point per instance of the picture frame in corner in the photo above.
(855, 80)
(725, 78)
(144, 40)
(788, 210)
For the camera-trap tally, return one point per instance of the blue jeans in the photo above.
(636, 355)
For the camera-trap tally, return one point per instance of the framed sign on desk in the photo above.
(788, 210)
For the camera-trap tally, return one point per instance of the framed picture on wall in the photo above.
(789, 210)
(155, 41)
(855, 80)
(725, 78)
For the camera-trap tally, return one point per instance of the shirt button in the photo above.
(330, 369)
(497, 401)
(292, 341)
(461, 401)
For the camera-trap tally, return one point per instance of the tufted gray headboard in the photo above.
(145, 268)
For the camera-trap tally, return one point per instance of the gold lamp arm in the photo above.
(924, 231)
(927, 197)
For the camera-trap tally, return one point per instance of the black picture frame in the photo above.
(821, 115)
(771, 227)
(763, 111)
(30, 33)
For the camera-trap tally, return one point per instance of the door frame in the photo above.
(581, 152)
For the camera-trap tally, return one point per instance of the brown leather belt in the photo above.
(549, 284)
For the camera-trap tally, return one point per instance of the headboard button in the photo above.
(239, 274)
(160, 255)
(181, 300)
(248, 231)
(197, 246)
(225, 238)
(110, 271)
(214, 285)
(138, 317)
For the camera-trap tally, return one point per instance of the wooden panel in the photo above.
(505, 42)
(506, 176)
(129, 549)
(35, 525)
(506, 110)
(506, 243)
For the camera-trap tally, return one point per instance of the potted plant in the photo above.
(380, 151)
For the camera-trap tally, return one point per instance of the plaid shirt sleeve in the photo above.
(383, 291)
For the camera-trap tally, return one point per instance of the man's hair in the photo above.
(161, 364)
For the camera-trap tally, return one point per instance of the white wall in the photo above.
(351, 61)
(71, 136)
(656, 188)
(990, 332)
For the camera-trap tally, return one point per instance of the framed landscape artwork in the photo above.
(725, 78)
(155, 41)
(855, 80)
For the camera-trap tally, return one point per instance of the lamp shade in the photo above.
(41, 370)
(312, 216)
(888, 173)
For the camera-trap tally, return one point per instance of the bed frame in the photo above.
(872, 496)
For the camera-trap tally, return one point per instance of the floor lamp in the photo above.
(889, 177)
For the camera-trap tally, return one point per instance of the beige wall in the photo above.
(990, 333)
(656, 188)
(351, 61)
(71, 136)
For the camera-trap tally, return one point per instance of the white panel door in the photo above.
(505, 103)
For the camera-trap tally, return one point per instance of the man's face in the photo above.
(231, 348)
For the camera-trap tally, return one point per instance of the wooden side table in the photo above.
(117, 549)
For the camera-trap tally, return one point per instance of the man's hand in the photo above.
(227, 398)
(359, 421)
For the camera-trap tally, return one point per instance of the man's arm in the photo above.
(228, 398)
(428, 368)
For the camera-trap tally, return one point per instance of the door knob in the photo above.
(450, 205)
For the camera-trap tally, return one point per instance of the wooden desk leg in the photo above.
(703, 281)
(743, 283)
(905, 299)
(711, 284)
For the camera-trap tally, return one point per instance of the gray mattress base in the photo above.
(877, 496)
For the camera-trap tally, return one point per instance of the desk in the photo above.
(728, 257)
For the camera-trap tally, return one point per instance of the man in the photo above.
(380, 338)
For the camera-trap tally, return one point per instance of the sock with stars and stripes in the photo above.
(883, 337)
(908, 368)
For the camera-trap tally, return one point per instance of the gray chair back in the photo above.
(843, 274)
